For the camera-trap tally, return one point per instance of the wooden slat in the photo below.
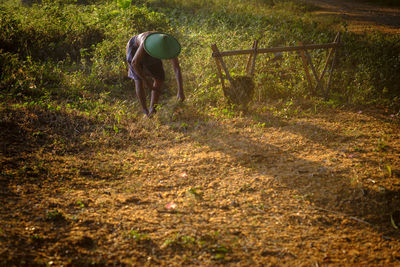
(314, 71)
(274, 49)
(221, 77)
(331, 51)
(253, 64)
(332, 67)
(305, 65)
(221, 61)
(248, 65)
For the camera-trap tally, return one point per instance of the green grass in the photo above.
(67, 55)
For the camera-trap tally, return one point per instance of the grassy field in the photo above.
(295, 179)
(60, 50)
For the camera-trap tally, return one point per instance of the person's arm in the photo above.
(178, 76)
(137, 59)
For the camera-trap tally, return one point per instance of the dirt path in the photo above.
(269, 188)
(361, 16)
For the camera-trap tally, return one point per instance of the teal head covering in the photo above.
(162, 45)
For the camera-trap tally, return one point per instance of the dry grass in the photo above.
(194, 189)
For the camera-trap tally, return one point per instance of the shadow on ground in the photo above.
(329, 188)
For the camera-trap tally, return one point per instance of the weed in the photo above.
(219, 252)
(186, 239)
(80, 204)
(171, 242)
(124, 4)
(184, 125)
(195, 193)
(137, 236)
(261, 125)
(224, 113)
(389, 170)
(115, 128)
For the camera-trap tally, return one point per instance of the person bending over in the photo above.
(144, 54)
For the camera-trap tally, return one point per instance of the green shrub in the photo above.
(48, 31)
(26, 78)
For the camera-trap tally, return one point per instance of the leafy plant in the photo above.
(195, 192)
(124, 4)
(220, 252)
(137, 236)
(389, 169)
(80, 204)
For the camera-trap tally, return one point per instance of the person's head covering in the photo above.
(162, 45)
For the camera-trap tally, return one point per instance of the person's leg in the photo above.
(141, 95)
(155, 95)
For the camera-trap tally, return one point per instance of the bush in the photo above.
(26, 78)
(48, 31)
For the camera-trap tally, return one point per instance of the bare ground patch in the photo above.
(199, 190)
(361, 16)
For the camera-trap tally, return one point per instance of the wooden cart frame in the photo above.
(301, 49)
